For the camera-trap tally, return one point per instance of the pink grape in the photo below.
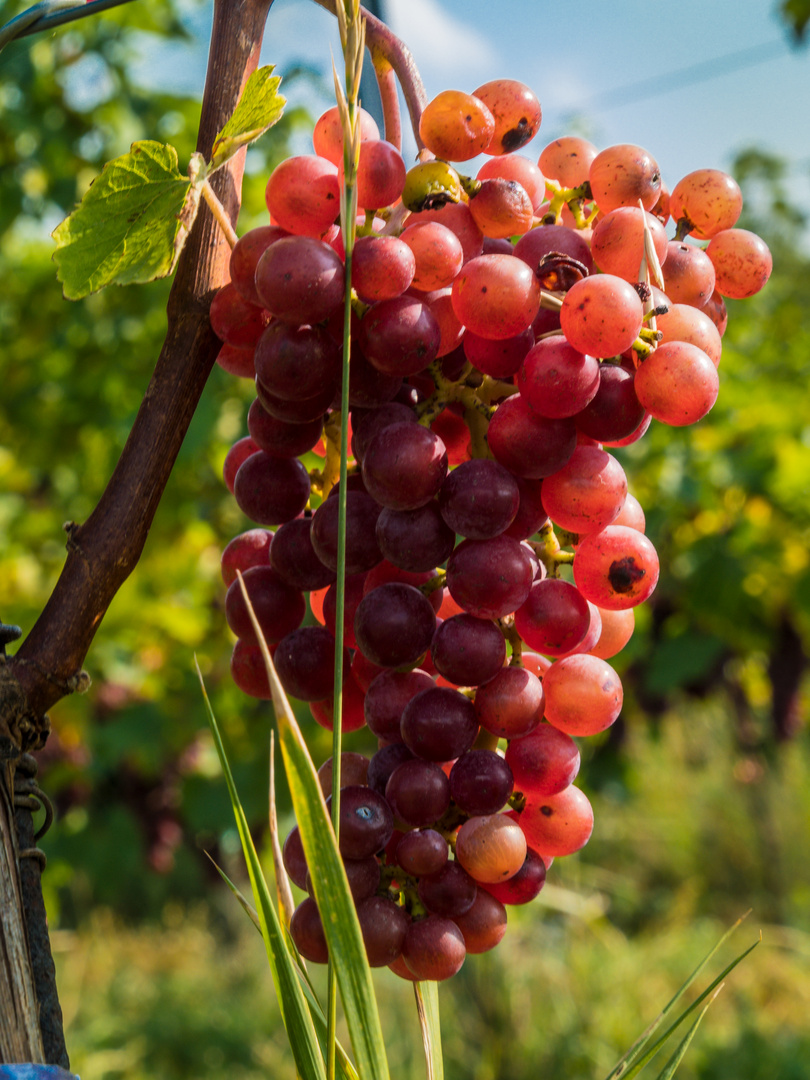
(622, 175)
(601, 315)
(742, 262)
(496, 296)
(583, 695)
(677, 384)
(303, 195)
(616, 568)
(587, 493)
(558, 824)
(710, 199)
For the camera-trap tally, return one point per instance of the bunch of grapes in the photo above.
(508, 331)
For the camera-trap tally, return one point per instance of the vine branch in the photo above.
(104, 550)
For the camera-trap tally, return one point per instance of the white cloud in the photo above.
(448, 52)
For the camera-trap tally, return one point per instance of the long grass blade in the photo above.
(628, 1059)
(295, 1012)
(653, 1049)
(668, 1070)
(330, 884)
(344, 1061)
(427, 1008)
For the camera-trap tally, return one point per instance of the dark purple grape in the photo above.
(279, 438)
(479, 499)
(468, 651)
(434, 949)
(306, 930)
(480, 782)
(245, 255)
(251, 548)
(394, 625)
(524, 885)
(418, 793)
(375, 420)
(300, 280)
(293, 857)
(271, 490)
(294, 362)
(383, 925)
(415, 540)
(383, 764)
(489, 578)
(362, 550)
(305, 661)
(400, 336)
(279, 608)
(404, 466)
(615, 411)
(366, 822)
(363, 875)
(293, 557)
(300, 411)
(387, 696)
(529, 445)
(531, 514)
(423, 851)
(369, 387)
(449, 893)
(439, 724)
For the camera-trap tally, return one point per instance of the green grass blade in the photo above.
(652, 1050)
(330, 885)
(668, 1070)
(347, 1068)
(427, 1007)
(295, 1012)
(628, 1059)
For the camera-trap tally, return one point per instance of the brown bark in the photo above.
(104, 550)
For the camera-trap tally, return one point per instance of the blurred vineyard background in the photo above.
(701, 790)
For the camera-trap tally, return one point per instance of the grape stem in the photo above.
(507, 628)
(386, 47)
(220, 214)
(435, 583)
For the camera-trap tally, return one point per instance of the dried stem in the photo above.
(385, 45)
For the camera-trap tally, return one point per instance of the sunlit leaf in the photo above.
(130, 226)
(260, 106)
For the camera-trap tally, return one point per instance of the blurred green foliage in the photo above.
(130, 764)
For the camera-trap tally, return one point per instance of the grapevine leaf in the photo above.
(260, 106)
(131, 225)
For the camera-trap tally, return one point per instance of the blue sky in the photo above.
(622, 71)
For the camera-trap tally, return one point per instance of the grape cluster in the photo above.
(508, 331)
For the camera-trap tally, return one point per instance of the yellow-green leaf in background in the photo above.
(260, 106)
(130, 226)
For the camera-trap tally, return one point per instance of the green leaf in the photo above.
(260, 106)
(295, 1013)
(330, 884)
(427, 1006)
(130, 226)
